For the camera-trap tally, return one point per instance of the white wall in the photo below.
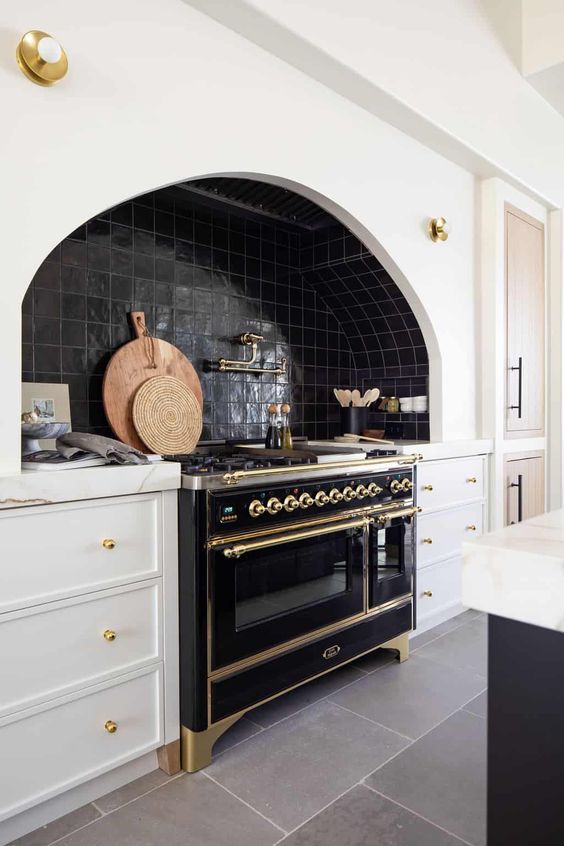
(157, 93)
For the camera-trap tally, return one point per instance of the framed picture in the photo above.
(51, 403)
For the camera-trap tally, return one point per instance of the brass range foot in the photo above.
(197, 745)
(401, 643)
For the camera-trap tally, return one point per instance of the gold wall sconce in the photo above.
(41, 58)
(438, 229)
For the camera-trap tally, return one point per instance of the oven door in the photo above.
(268, 589)
(391, 548)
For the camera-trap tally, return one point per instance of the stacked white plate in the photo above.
(413, 404)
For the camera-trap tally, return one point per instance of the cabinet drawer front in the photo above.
(444, 483)
(441, 533)
(50, 751)
(59, 551)
(438, 587)
(59, 647)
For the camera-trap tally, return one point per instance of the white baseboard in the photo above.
(440, 616)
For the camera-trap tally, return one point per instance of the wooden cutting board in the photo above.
(130, 367)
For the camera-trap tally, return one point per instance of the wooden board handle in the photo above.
(137, 319)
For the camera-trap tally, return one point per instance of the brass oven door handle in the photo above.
(241, 548)
(402, 512)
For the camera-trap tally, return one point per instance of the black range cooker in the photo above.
(288, 569)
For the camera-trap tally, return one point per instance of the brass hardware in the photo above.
(331, 652)
(256, 508)
(471, 527)
(241, 548)
(374, 489)
(401, 644)
(362, 492)
(291, 503)
(321, 498)
(438, 229)
(109, 634)
(41, 58)
(110, 726)
(406, 485)
(428, 593)
(401, 512)
(233, 365)
(196, 747)
(427, 540)
(273, 506)
(306, 501)
(109, 543)
(427, 487)
(395, 486)
(472, 480)
(335, 495)
(349, 493)
(235, 476)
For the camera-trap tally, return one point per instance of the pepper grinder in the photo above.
(287, 442)
(273, 439)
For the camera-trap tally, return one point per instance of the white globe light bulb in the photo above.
(49, 50)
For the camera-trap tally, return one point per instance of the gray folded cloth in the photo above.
(115, 452)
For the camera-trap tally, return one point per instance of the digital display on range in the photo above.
(227, 514)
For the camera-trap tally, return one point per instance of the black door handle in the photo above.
(519, 405)
(519, 485)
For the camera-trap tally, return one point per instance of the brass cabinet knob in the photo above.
(335, 495)
(472, 480)
(256, 508)
(471, 527)
(291, 503)
(349, 493)
(427, 487)
(273, 506)
(428, 593)
(109, 543)
(306, 500)
(110, 635)
(321, 498)
(427, 540)
(110, 726)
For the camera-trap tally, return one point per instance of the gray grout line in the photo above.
(374, 723)
(243, 802)
(321, 810)
(218, 755)
(468, 670)
(444, 634)
(417, 814)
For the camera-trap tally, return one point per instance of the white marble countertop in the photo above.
(518, 572)
(33, 487)
(431, 450)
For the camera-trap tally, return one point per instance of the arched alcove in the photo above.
(213, 257)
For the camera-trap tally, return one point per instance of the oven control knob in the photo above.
(406, 484)
(291, 503)
(374, 489)
(362, 492)
(395, 486)
(256, 508)
(273, 506)
(335, 495)
(306, 500)
(321, 498)
(349, 494)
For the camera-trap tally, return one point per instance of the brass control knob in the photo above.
(291, 503)
(349, 494)
(273, 506)
(321, 498)
(110, 726)
(109, 635)
(374, 489)
(362, 492)
(306, 500)
(395, 486)
(406, 484)
(109, 543)
(256, 508)
(335, 495)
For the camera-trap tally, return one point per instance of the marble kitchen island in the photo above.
(516, 576)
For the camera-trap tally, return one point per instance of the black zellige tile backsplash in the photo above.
(203, 274)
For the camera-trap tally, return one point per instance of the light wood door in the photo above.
(524, 477)
(524, 272)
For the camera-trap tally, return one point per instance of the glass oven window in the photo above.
(391, 543)
(280, 579)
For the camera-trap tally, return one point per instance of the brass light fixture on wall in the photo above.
(438, 229)
(41, 58)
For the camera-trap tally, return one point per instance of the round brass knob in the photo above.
(321, 498)
(291, 503)
(427, 540)
(335, 495)
(395, 486)
(361, 492)
(471, 527)
(349, 494)
(110, 726)
(306, 500)
(109, 543)
(273, 506)
(472, 480)
(427, 487)
(110, 635)
(256, 508)
(428, 593)
(374, 489)
(407, 484)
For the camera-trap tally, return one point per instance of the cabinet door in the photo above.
(524, 477)
(524, 271)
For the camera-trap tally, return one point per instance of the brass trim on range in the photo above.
(236, 475)
(241, 548)
(402, 512)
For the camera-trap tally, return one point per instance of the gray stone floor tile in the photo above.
(241, 730)
(295, 768)
(443, 777)
(131, 791)
(465, 648)
(412, 697)
(59, 828)
(187, 810)
(375, 660)
(364, 818)
(479, 705)
(443, 628)
(299, 698)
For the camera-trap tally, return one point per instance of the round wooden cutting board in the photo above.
(130, 367)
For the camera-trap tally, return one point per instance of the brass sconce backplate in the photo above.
(39, 69)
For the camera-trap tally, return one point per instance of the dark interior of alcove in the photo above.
(206, 261)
